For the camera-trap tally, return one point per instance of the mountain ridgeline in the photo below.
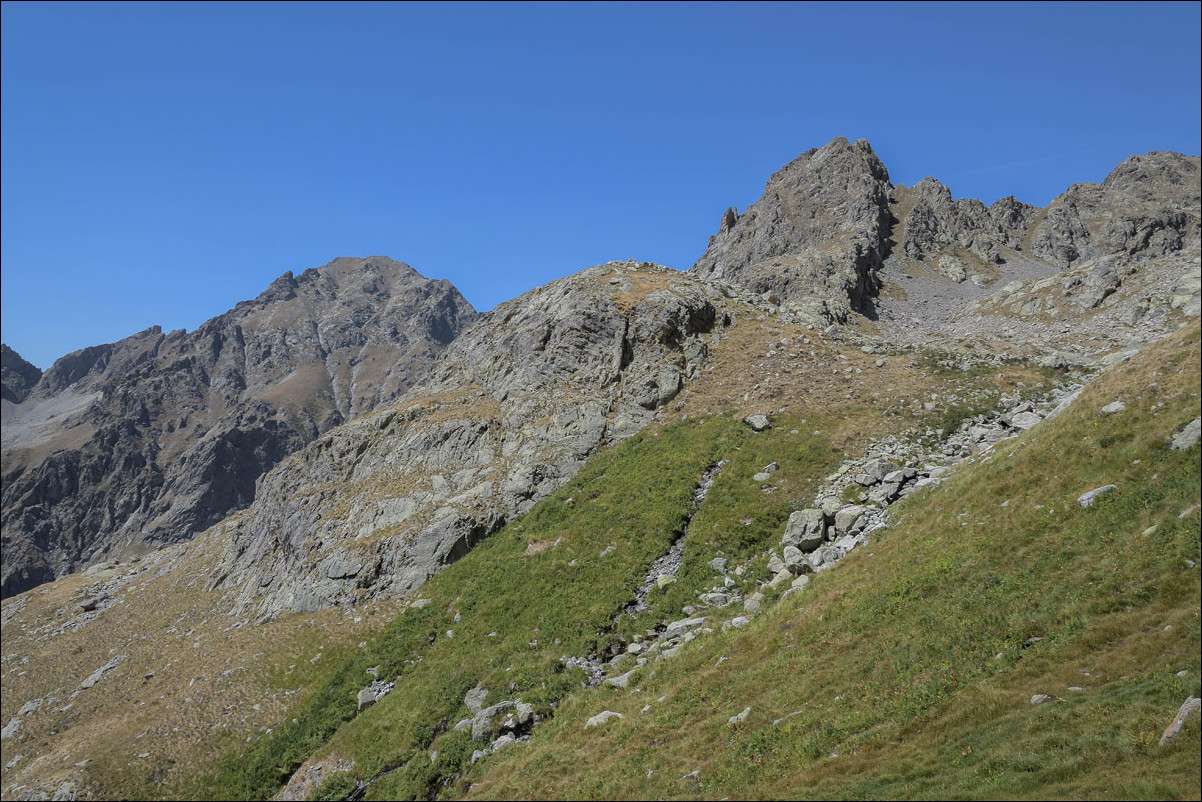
(892, 494)
(124, 447)
(455, 427)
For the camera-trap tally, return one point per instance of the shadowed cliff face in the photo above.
(17, 377)
(146, 441)
(509, 414)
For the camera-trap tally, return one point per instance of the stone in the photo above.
(739, 718)
(751, 605)
(505, 740)
(1113, 408)
(1025, 420)
(800, 582)
(850, 519)
(475, 699)
(718, 564)
(775, 563)
(663, 580)
(805, 530)
(620, 681)
(1191, 705)
(737, 622)
(1187, 437)
(10, 729)
(96, 676)
(716, 599)
(1042, 698)
(794, 559)
(677, 628)
(601, 718)
(1087, 500)
(761, 477)
(373, 693)
(758, 423)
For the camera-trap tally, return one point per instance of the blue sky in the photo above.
(163, 161)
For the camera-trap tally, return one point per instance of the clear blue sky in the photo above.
(163, 161)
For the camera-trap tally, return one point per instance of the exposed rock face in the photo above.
(147, 441)
(17, 377)
(509, 414)
(815, 238)
(1148, 204)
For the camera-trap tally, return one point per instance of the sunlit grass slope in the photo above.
(547, 586)
(908, 671)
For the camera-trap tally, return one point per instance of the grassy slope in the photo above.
(543, 590)
(905, 672)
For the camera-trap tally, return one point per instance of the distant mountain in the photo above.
(126, 446)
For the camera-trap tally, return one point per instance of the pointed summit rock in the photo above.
(816, 235)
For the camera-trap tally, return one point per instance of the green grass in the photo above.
(907, 672)
(538, 590)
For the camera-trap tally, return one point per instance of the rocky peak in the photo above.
(1159, 175)
(511, 411)
(153, 438)
(17, 377)
(818, 232)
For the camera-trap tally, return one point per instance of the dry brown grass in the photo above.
(189, 689)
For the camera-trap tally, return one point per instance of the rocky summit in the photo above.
(892, 494)
(123, 447)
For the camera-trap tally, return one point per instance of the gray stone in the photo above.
(737, 622)
(716, 599)
(718, 564)
(1112, 408)
(805, 530)
(601, 718)
(758, 423)
(677, 628)
(373, 693)
(622, 680)
(1087, 499)
(1042, 698)
(1191, 705)
(794, 559)
(505, 740)
(10, 729)
(1187, 437)
(850, 519)
(739, 718)
(1024, 420)
(475, 699)
(775, 563)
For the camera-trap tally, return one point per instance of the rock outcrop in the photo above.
(509, 414)
(126, 446)
(815, 239)
(17, 377)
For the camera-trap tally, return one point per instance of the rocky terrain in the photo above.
(120, 448)
(871, 466)
(510, 412)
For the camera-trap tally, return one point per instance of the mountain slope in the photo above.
(123, 447)
(425, 600)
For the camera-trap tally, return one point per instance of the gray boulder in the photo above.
(806, 530)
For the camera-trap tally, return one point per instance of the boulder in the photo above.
(601, 718)
(806, 530)
(1086, 500)
(758, 423)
